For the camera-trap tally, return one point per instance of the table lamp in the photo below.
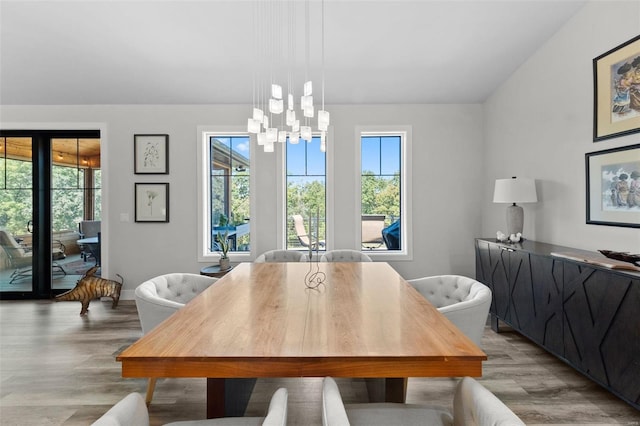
(515, 190)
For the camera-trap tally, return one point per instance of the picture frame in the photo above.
(616, 97)
(613, 187)
(152, 202)
(151, 154)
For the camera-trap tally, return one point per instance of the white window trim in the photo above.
(203, 191)
(405, 132)
(282, 199)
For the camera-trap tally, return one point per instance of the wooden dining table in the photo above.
(262, 320)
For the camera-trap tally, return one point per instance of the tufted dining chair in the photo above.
(282, 256)
(345, 255)
(464, 301)
(158, 298)
(132, 411)
(473, 405)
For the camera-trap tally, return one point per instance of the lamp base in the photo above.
(515, 219)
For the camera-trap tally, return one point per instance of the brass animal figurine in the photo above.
(90, 287)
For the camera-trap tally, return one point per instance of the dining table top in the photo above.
(262, 320)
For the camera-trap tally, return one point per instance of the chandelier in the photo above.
(277, 117)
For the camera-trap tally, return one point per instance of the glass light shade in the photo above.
(294, 138)
(308, 111)
(306, 101)
(276, 91)
(272, 134)
(308, 88)
(323, 119)
(268, 147)
(265, 122)
(305, 133)
(290, 101)
(258, 114)
(291, 117)
(295, 127)
(515, 190)
(323, 146)
(253, 125)
(282, 136)
(323, 136)
(276, 106)
(262, 138)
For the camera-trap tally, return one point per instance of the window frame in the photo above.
(406, 194)
(204, 230)
(329, 193)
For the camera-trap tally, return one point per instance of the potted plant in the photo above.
(223, 245)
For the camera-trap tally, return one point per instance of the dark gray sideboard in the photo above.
(586, 315)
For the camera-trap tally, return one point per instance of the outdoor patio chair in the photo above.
(372, 226)
(21, 257)
(301, 232)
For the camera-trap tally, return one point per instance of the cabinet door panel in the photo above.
(537, 299)
(592, 301)
(491, 271)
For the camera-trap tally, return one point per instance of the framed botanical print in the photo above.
(152, 202)
(151, 154)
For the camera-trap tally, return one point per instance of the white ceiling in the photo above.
(202, 52)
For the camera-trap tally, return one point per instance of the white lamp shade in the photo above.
(515, 190)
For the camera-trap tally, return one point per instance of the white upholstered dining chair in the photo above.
(282, 256)
(132, 411)
(473, 405)
(158, 298)
(464, 301)
(344, 255)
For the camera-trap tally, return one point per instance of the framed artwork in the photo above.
(616, 97)
(151, 154)
(152, 202)
(613, 187)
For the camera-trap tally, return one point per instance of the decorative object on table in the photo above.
(91, 287)
(515, 238)
(152, 202)
(515, 190)
(314, 278)
(150, 154)
(616, 98)
(214, 271)
(613, 187)
(223, 246)
(597, 259)
(623, 256)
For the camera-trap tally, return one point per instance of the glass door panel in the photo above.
(16, 210)
(75, 194)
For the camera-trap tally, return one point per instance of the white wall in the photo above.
(539, 124)
(447, 166)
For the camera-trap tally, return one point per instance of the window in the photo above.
(225, 188)
(384, 192)
(306, 178)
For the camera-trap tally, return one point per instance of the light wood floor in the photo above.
(57, 368)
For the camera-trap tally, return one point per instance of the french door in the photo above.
(49, 182)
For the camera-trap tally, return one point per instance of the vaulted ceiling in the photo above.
(202, 52)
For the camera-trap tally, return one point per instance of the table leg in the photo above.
(387, 390)
(395, 389)
(228, 397)
(215, 398)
